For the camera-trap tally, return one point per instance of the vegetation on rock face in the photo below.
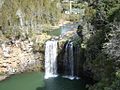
(103, 47)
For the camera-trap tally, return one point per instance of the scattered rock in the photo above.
(3, 77)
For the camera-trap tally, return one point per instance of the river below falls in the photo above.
(36, 81)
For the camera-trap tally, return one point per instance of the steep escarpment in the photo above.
(18, 56)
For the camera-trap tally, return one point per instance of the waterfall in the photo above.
(70, 61)
(51, 59)
(68, 64)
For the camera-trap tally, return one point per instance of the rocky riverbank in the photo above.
(3, 77)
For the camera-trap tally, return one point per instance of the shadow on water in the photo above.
(40, 88)
(60, 83)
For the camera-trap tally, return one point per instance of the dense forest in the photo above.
(103, 47)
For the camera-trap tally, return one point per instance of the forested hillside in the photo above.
(103, 48)
(28, 15)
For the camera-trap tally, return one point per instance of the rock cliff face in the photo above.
(14, 59)
(22, 55)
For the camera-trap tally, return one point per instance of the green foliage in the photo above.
(33, 13)
(89, 13)
(94, 45)
(77, 41)
(114, 14)
(73, 17)
(104, 67)
(118, 74)
(109, 8)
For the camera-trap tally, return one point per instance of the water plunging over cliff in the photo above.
(69, 61)
(51, 59)
(66, 65)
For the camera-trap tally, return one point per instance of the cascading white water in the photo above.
(69, 61)
(51, 59)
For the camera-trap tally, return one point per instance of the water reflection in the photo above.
(40, 88)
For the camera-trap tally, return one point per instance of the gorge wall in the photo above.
(22, 55)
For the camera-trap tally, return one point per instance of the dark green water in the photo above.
(35, 81)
